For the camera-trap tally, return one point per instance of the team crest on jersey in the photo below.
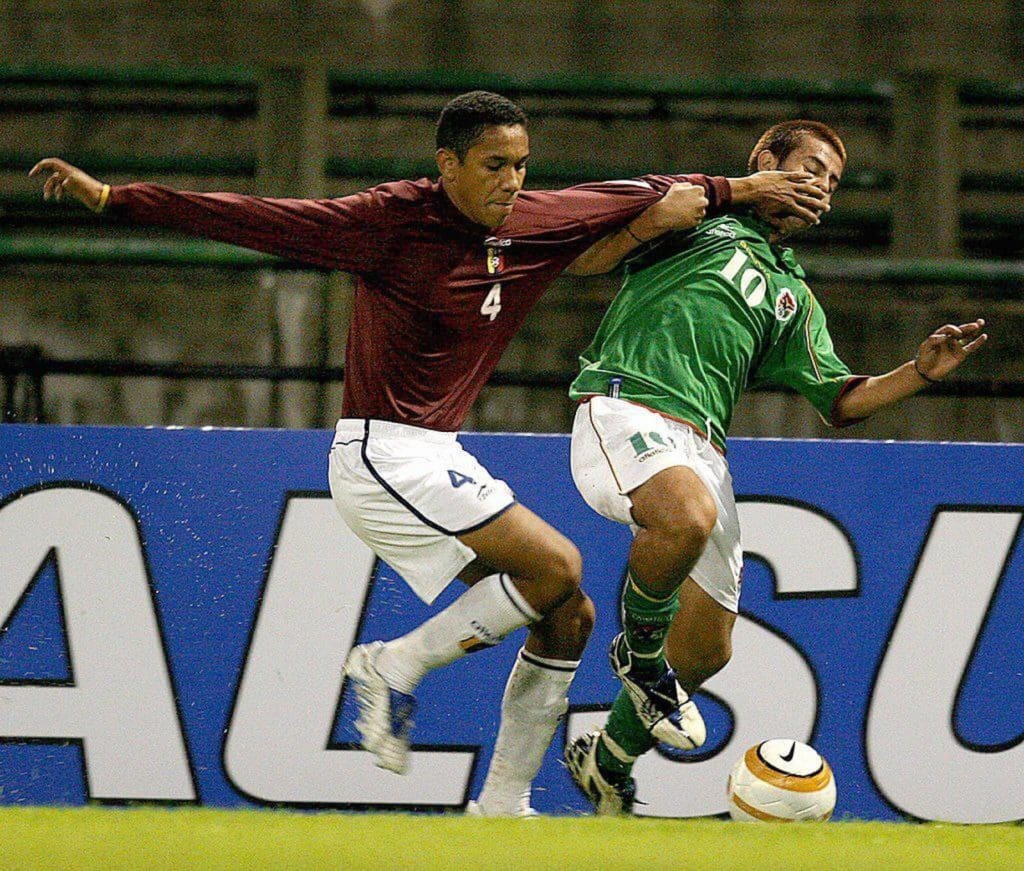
(495, 261)
(495, 255)
(785, 305)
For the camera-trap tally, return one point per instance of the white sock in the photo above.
(536, 696)
(479, 618)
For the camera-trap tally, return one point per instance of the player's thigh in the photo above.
(409, 496)
(622, 452)
(674, 499)
(525, 546)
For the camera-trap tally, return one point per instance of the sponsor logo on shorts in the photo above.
(650, 444)
(723, 230)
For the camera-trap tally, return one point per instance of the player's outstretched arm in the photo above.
(938, 355)
(682, 208)
(792, 192)
(61, 178)
(332, 233)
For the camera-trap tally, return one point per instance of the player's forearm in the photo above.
(879, 391)
(605, 254)
(682, 207)
(744, 190)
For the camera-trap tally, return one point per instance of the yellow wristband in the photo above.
(104, 196)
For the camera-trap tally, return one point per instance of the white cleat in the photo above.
(385, 714)
(669, 714)
(522, 810)
(608, 796)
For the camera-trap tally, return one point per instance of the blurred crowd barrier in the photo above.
(925, 230)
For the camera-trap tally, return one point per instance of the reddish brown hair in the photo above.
(783, 138)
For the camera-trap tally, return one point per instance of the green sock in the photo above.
(646, 617)
(628, 734)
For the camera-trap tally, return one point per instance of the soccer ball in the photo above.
(781, 781)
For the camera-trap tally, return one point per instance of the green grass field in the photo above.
(105, 838)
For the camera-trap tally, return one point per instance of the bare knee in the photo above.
(676, 507)
(553, 579)
(563, 573)
(546, 566)
(689, 524)
(564, 631)
(580, 615)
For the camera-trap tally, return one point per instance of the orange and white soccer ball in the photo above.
(781, 781)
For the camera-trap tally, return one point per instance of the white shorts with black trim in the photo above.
(617, 446)
(407, 492)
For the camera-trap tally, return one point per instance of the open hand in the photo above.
(63, 178)
(947, 348)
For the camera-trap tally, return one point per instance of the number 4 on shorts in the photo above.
(458, 479)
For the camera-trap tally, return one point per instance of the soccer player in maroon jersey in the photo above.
(446, 272)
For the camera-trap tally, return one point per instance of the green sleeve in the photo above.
(805, 360)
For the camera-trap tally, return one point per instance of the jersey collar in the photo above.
(783, 255)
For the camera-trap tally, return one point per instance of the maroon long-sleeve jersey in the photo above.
(438, 297)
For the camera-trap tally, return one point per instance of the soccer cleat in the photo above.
(521, 811)
(608, 796)
(667, 712)
(385, 714)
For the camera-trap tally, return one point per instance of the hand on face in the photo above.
(798, 189)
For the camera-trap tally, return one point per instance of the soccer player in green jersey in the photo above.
(702, 314)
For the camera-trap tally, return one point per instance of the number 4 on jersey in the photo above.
(492, 302)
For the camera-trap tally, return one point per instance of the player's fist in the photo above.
(63, 178)
(682, 208)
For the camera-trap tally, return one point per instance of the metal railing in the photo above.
(34, 247)
(24, 369)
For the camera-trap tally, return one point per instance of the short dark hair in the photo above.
(783, 138)
(464, 118)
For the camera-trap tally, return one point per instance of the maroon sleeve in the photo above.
(342, 233)
(851, 384)
(598, 208)
(717, 188)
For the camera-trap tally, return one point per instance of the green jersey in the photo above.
(704, 314)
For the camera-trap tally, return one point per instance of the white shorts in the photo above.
(617, 446)
(407, 492)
